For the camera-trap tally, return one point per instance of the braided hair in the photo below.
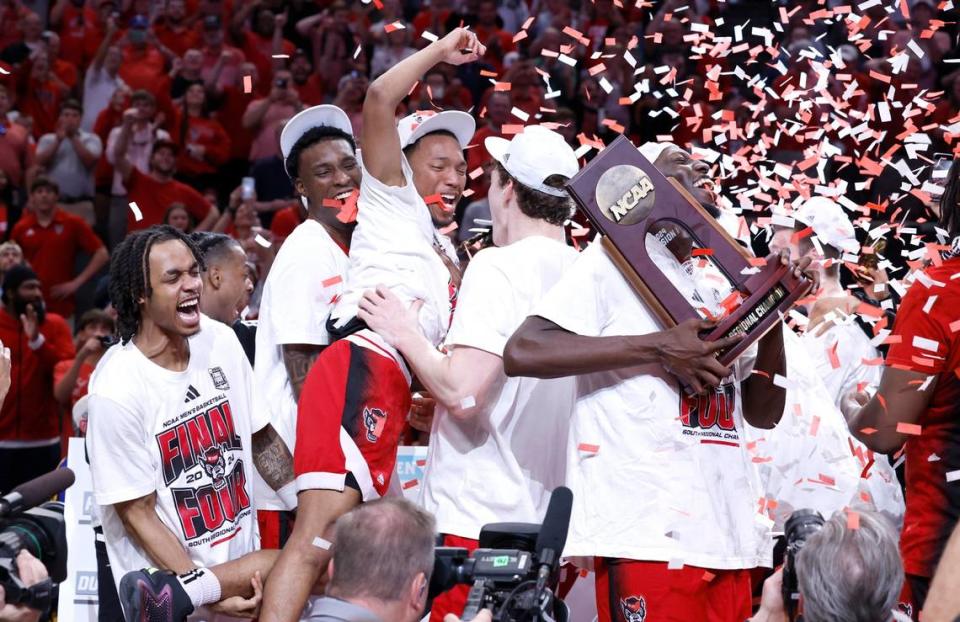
(212, 246)
(949, 208)
(130, 274)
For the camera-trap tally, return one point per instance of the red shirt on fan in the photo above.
(153, 197)
(933, 503)
(178, 40)
(30, 411)
(211, 136)
(42, 102)
(52, 250)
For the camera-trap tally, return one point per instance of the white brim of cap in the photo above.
(310, 118)
(497, 147)
(458, 123)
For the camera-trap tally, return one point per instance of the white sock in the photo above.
(201, 585)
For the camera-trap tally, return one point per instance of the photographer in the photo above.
(366, 583)
(31, 571)
(844, 573)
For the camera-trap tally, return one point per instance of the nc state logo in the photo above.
(373, 421)
(214, 465)
(633, 608)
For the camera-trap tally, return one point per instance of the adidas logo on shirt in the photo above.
(192, 394)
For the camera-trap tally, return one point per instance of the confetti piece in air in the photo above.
(468, 402)
(708, 576)
(280, 56)
(429, 36)
(853, 520)
(262, 241)
(357, 51)
(407, 485)
(675, 564)
(925, 344)
(912, 429)
(832, 355)
(953, 476)
(137, 214)
(868, 431)
(320, 543)
(4, 71)
(814, 425)
(588, 448)
(333, 280)
(397, 25)
(933, 458)
(954, 326)
(248, 84)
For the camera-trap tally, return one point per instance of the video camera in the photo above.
(799, 527)
(514, 571)
(28, 521)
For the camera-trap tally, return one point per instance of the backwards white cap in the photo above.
(533, 155)
(305, 120)
(829, 223)
(651, 150)
(415, 126)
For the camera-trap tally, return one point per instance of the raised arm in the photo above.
(120, 160)
(897, 401)
(379, 141)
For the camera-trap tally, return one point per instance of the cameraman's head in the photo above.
(383, 558)
(847, 574)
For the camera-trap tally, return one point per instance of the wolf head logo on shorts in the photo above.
(214, 465)
(373, 421)
(633, 608)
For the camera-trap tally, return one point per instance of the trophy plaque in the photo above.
(628, 200)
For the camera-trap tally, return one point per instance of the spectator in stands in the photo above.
(144, 58)
(174, 30)
(308, 83)
(179, 218)
(65, 70)
(213, 48)
(264, 39)
(499, 42)
(102, 78)
(30, 416)
(69, 156)
(70, 376)
(264, 115)
(42, 95)
(351, 91)
(396, 48)
(497, 115)
(142, 130)
(16, 150)
(186, 71)
(204, 145)
(52, 240)
(10, 255)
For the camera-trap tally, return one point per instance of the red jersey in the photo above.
(153, 197)
(83, 378)
(143, 68)
(30, 412)
(52, 251)
(42, 102)
(929, 346)
(211, 136)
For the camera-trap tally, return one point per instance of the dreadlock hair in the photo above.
(308, 139)
(539, 205)
(949, 209)
(212, 246)
(130, 274)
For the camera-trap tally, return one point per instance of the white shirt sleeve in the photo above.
(112, 138)
(486, 316)
(120, 461)
(395, 201)
(577, 302)
(93, 144)
(301, 290)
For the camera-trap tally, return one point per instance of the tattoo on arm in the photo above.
(272, 458)
(298, 360)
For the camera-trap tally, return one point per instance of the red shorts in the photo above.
(636, 591)
(352, 409)
(454, 599)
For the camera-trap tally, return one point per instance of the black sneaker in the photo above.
(152, 595)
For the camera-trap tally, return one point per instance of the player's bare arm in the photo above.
(896, 401)
(379, 141)
(542, 349)
(272, 457)
(461, 381)
(298, 359)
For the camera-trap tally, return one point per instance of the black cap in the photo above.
(16, 276)
(212, 22)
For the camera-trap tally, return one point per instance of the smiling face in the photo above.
(328, 169)
(173, 304)
(439, 168)
(693, 175)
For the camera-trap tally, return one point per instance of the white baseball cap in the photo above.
(829, 223)
(308, 119)
(415, 126)
(533, 155)
(651, 150)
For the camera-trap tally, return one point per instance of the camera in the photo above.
(281, 83)
(799, 527)
(502, 574)
(26, 522)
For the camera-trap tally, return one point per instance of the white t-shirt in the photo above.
(655, 476)
(184, 435)
(810, 460)
(852, 347)
(98, 89)
(305, 279)
(501, 465)
(394, 245)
